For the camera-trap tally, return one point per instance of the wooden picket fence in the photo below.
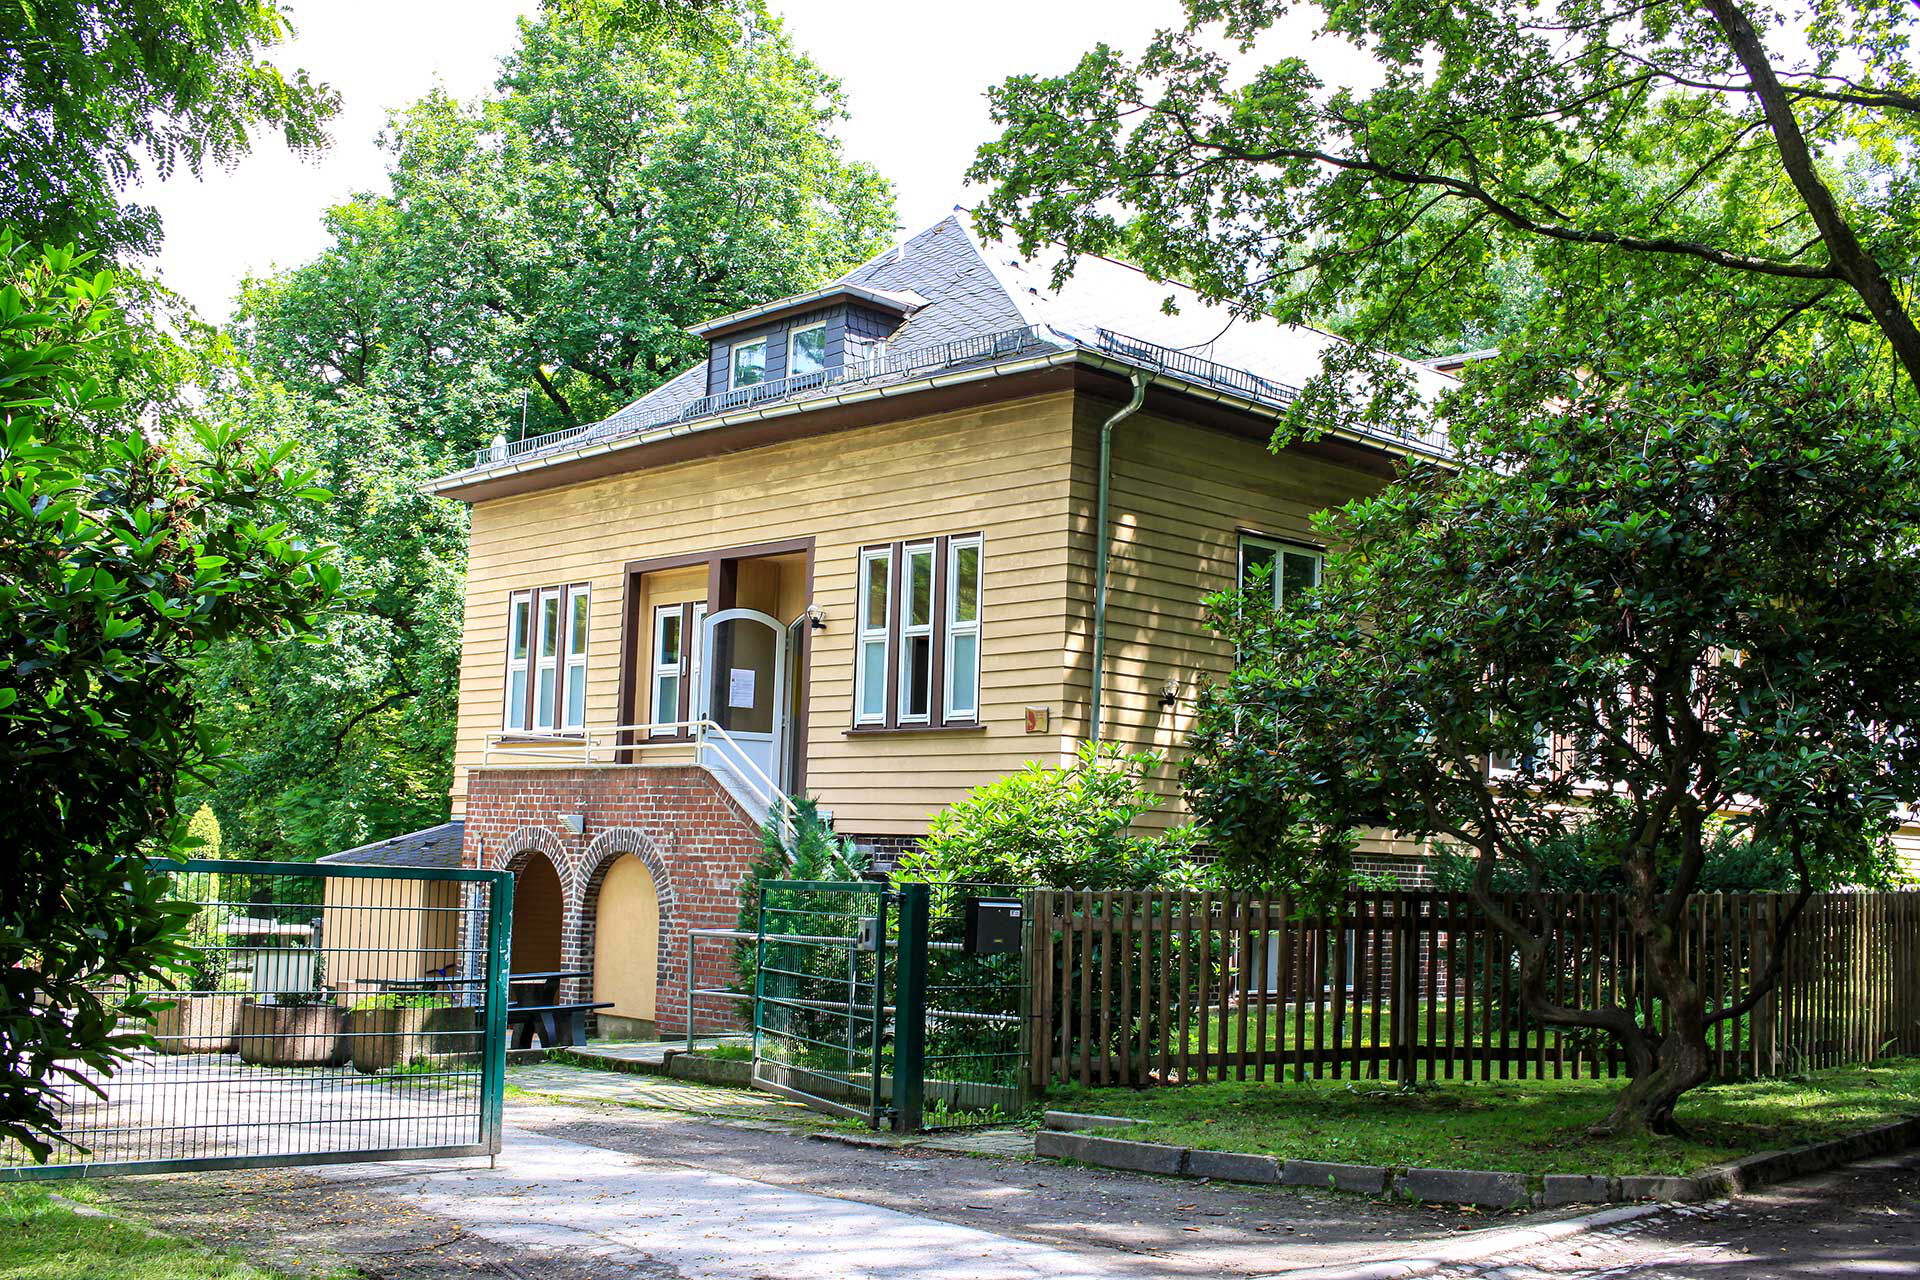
(1151, 987)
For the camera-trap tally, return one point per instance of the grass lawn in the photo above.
(42, 1239)
(1531, 1126)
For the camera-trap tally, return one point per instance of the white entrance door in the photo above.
(743, 689)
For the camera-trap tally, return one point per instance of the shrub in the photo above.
(1065, 827)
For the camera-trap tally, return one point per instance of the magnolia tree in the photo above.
(1671, 600)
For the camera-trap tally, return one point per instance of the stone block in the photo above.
(1111, 1153)
(1489, 1190)
(1368, 1178)
(1673, 1188)
(1575, 1188)
(1232, 1166)
(1068, 1121)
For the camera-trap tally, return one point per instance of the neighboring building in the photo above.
(375, 929)
(858, 540)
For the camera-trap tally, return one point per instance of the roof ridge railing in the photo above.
(992, 346)
(890, 364)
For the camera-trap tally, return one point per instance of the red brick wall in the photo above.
(693, 837)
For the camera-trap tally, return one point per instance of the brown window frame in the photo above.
(564, 594)
(894, 555)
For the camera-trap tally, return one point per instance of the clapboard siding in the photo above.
(1180, 494)
(1004, 470)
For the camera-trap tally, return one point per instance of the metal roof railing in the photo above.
(893, 364)
(897, 365)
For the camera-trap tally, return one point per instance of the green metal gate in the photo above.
(332, 1014)
(869, 1006)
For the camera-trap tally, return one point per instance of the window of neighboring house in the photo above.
(918, 660)
(962, 693)
(519, 625)
(1293, 569)
(749, 364)
(547, 659)
(870, 667)
(807, 350)
(668, 652)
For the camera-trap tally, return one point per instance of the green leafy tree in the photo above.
(1697, 587)
(1655, 172)
(1071, 827)
(122, 561)
(538, 258)
(92, 91)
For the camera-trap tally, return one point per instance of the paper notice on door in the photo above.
(740, 688)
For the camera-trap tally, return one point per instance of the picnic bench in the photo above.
(534, 1008)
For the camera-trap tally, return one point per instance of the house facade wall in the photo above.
(1180, 496)
(1003, 470)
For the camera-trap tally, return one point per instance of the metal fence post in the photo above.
(910, 1011)
(879, 1039)
(493, 1070)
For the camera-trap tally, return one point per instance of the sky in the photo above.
(915, 76)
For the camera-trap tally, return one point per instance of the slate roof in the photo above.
(437, 847)
(982, 303)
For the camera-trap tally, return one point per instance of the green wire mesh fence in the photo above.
(330, 1014)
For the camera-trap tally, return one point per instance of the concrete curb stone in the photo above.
(1069, 1121)
(1561, 1189)
(1111, 1153)
(1233, 1166)
(1368, 1178)
(1487, 1189)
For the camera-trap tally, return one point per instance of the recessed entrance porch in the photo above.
(714, 655)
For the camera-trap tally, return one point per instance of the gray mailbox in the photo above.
(993, 926)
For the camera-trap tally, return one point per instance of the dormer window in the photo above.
(749, 364)
(807, 350)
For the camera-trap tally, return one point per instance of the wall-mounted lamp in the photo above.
(1170, 693)
(816, 617)
(575, 823)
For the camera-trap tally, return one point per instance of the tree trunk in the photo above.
(1679, 1049)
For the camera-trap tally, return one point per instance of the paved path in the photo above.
(554, 1082)
(1862, 1220)
(553, 1196)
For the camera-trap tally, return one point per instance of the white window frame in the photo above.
(573, 655)
(541, 663)
(793, 339)
(1281, 548)
(868, 634)
(669, 715)
(955, 627)
(516, 711)
(733, 364)
(693, 644)
(910, 631)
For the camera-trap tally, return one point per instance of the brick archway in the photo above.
(600, 857)
(544, 910)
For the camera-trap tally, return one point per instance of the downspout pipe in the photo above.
(1101, 535)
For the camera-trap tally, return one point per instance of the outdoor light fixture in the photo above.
(816, 617)
(575, 823)
(1170, 693)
